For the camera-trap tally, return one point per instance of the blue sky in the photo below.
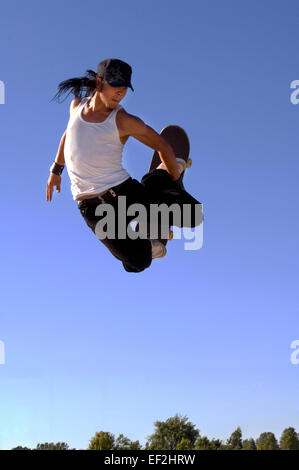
(203, 333)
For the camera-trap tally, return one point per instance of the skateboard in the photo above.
(177, 137)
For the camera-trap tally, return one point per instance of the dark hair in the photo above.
(77, 84)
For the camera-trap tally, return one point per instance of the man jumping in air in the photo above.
(92, 146)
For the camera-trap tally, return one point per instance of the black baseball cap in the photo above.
(115, 72)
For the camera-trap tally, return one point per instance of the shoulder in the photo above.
(128, 122)
(74, 104)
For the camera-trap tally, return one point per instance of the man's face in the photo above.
(111, 95)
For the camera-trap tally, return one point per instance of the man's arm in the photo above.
(60, 154)
(55, 180)
(135, 127)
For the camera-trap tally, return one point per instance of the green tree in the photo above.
(215, 444)
(20, 448)
(267, 441)
(135, 445)
(289, 439)
(102, 441)
(248, 444)
(123, 443)
(185, 444)
(52, 446)
(202, 443)
(168, 434)
(235, 440)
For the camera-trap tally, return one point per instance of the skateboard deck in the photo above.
(177, 137)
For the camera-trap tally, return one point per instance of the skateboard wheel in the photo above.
(170, 235)
(189, 163)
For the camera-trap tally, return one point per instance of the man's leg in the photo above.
(135, 255)
(161, 188)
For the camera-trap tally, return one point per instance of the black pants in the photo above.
(156, 187)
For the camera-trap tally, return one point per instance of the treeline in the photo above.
(177, 433)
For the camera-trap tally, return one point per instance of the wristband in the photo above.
(56, 168)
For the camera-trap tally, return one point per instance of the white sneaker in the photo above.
(158, 249)
(181, 164)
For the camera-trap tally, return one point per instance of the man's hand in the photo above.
(54, 180)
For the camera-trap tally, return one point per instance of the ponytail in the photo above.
(76, 85)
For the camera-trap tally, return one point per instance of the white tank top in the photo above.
(93, 153)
